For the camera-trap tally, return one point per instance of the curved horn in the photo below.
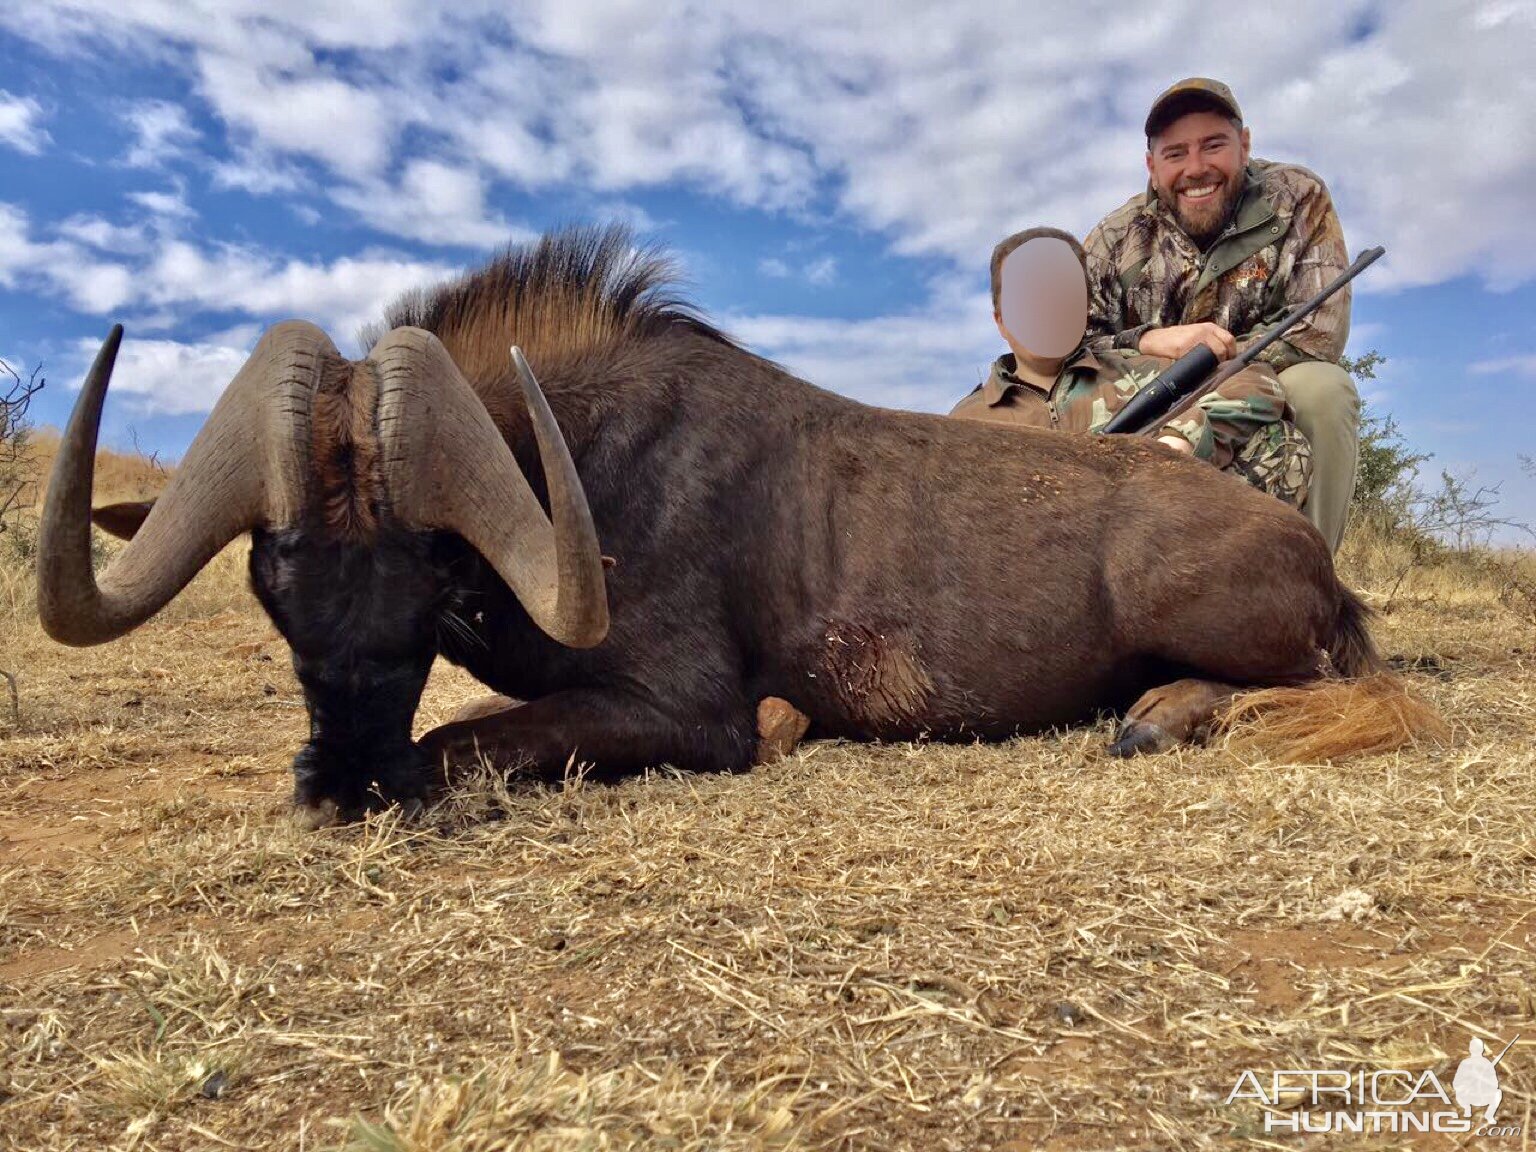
(244, 467)
(447, 466)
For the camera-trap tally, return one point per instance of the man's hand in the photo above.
(1177, 443)
(1172, 343)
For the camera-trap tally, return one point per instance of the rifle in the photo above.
(1507, 1047)
(1198, 373)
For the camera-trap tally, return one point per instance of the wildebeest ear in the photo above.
(122, 520)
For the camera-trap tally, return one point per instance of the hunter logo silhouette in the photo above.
(1477, 1081)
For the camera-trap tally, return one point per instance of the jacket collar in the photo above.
(1002, 379)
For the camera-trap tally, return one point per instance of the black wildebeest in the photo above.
(892, 575)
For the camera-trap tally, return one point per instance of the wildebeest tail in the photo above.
(1352, 650)
(1366, 708)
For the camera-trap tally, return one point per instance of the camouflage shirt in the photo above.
(1092, 386)
(1283, 245)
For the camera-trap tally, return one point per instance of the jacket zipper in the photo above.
(1205, 257)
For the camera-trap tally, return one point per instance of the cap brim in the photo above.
(1172, 105)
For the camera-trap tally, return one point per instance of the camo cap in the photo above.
(1186, 96)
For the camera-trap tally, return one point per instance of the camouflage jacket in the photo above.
(1092, 386)
(1284, 244)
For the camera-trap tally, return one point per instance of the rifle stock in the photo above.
(1227, 370)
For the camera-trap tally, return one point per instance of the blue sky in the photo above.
(831, 179)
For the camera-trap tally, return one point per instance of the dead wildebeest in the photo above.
(892, 575)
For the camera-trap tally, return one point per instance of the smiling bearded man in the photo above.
(1214, 252)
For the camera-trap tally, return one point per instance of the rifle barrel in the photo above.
(1507, 1047)
(1362, 262)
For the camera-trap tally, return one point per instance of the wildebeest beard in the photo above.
(363, 619)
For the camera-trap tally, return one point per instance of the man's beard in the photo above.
(1207, 220)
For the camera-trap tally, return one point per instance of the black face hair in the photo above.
(362, 619)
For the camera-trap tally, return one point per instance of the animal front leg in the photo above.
(1171, 714)
(483, 706)
(613, 731)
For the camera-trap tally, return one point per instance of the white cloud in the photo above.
(99, 232)
(27, 265)
(340, 295)
(94, 286)
(822, 271)
(345, 127)
(13, 372)
(162, 132)
(19, 128)
(1511, 365)
(258, 172)
(177, 278)
(266, 27)
(924, 360)
(636, 218)
(819, 272)
(16, 248)
(164, 204)
(432, 202)
(167, 377)
(1425, 135)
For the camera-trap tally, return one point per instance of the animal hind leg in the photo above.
(1170, 714)
(613, 731)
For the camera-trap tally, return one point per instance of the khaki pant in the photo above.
(1327, 409)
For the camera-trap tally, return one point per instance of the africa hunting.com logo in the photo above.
(1316, 1100)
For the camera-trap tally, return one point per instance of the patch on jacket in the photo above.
(1251, 273)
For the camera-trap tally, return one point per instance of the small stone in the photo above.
(1353, 905)
(213, 1086)
(1069, 1014)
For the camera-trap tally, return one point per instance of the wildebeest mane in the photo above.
(576, 291)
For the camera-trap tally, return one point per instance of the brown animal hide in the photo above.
(347, 488)
(876, 674)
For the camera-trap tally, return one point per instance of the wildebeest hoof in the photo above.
(1138, 736)
(327, 813)
(320, 814)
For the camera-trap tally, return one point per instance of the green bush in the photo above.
(1455, 516)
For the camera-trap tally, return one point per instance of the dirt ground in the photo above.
(1020, 946)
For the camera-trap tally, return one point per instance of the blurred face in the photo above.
(1043, 305)
(1196, 165)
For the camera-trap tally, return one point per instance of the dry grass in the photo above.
(1020, 946)
(119, 475)
(1396, 575)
